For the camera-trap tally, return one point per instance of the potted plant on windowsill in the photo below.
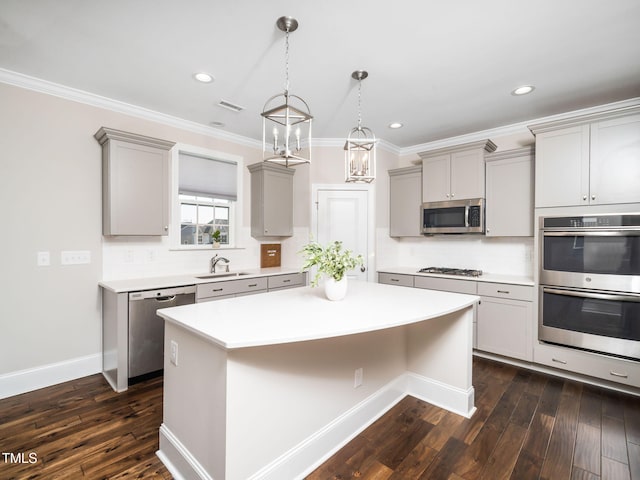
(215, 237)
(332, 261)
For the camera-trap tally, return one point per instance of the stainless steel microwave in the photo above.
(453, 216)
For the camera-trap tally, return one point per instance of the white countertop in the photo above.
(485, 277)
(302, 314)
(168, 281)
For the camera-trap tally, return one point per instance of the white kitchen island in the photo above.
(265, 385)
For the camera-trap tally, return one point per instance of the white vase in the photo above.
(335, 290)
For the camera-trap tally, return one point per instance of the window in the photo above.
(200, 217)
(205, 197)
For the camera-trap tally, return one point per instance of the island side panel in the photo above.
(280, 396)
(195, 403)
(439, 358)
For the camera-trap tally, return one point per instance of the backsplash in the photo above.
(139, 257)
(504, 256)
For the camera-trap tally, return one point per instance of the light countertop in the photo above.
(168, 281)
(485, 277)
(260, 320)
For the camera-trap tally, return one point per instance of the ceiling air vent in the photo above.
(230, 106)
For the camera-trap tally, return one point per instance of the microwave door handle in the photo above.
(600, 296)
(466, 216)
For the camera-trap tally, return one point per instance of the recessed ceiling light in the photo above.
(523, 90)
(203, 77)
(395, 125)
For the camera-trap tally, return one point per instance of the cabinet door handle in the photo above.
(593, 197)
(559, 361)
(621, 375)
(584, 197)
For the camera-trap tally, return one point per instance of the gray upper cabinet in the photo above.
(135, 183)
(509, 207)
(454, 173)
(590, 160)
(271, 200)
(405, 197)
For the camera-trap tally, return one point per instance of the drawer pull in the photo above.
(506, 292)
(559, 361)
(252, 285)
(286, 281)
(395, 279)
(217, 289)
(621, 375)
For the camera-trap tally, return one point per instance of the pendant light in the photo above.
(360, 147)
(287, 124)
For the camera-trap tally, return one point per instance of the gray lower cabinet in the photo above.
(405, 199)
(135, 183)
(289, 280)
(398, 279)
(206, 292)
(505, 319)
(271, 200)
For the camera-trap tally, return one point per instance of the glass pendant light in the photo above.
(287, 125)
(360, 147)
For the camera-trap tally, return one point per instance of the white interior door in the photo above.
(344, 215)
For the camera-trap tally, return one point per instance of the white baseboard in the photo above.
(309, 454)
(178, 460)
(23, 381)
(441, 395)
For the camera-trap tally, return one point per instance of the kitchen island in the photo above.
(269, 386)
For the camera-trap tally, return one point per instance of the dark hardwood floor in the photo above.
(527, 426)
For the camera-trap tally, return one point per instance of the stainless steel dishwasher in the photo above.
(146, 328)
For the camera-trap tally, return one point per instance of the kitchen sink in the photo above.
(222, 275)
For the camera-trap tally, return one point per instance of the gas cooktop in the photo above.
(463, 272)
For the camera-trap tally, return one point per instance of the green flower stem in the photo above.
(330, 260)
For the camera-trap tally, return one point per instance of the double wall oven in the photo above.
(590, 283)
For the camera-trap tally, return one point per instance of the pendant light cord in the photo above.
(359, 102)
(286, 63)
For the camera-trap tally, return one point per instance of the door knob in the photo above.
(362, 268)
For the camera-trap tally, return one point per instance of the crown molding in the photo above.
(80, 96)
(339, 142)
(524, 127)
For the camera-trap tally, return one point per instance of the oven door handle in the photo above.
(626, 297)
(626, 232)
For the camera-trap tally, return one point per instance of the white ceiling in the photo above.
(443, 68)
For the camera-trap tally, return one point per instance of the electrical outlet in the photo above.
(44, 259)
(357, 378)
(174, 353)
(75, 257)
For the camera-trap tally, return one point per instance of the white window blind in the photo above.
(207, 177)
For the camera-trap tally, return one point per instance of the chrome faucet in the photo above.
(215, 260)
